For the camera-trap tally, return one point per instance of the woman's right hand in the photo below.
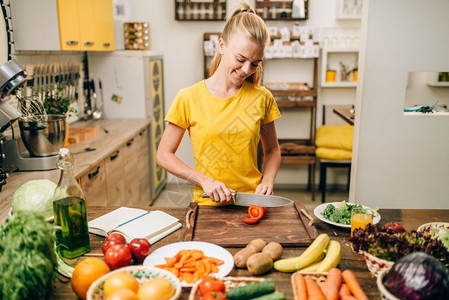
(217, 191)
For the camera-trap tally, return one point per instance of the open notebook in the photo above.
(135, 223)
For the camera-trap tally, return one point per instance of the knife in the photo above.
(246, 199)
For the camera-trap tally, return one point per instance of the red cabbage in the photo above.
(418, 276)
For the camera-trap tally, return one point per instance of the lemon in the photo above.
(156, 289)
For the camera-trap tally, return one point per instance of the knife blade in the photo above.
(247, 199)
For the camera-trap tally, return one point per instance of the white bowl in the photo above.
(142, 273)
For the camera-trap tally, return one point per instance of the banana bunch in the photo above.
(321, 256)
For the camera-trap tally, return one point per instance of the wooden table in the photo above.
(410, 218)
(346, 114)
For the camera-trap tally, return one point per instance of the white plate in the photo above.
(209, 249)
(320, 208)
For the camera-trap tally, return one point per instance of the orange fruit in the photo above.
(156, 289)
(120, 280)
(122, 294)
(85, 273)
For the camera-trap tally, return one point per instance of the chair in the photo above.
(335, 157)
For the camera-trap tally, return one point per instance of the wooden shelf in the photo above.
(279, 10)
(295, 103)
(187, 10)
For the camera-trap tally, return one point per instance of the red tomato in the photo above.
(255, 211)
(209, 284)
(250, 220)
(109, 243)
(140, 248)
(214, 296)
(118, 256)
(116, 237)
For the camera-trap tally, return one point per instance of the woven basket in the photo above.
(142, 273)
(384, 293)
(317, 276)
(375, 264)
(230, 282)
(432, 227)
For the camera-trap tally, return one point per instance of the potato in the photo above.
(257, 245)
(242, 256)
(274, 250)
(259, 263)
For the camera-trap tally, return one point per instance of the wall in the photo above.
(400, 161)
(181, 44)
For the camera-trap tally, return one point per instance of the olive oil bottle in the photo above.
(69, 207)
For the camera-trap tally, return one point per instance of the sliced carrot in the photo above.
(187, 277)
(334, 280)
(190, 264)
(313, 290)
(354, 285)
(348, 297)
(300, 287)
(173, 270)
(215, 260)
(197, 254)
(170, 261)
(191, 270)
(213, 268)
(344, 290)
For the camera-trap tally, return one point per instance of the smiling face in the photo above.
(240, 57)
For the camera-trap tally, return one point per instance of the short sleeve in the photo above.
(179, 112)
(272, 112)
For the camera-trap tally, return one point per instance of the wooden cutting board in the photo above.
(288, 225)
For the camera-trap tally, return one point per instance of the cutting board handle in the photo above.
(304, 212)
(188, 214)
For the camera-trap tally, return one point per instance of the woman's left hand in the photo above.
(264, 189)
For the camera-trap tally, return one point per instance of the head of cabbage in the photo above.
(36, 196)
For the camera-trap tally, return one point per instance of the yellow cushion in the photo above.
(335, 137)
(329, 153)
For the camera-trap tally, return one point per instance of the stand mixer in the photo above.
(42, 138)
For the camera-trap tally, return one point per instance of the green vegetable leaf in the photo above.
(340, 213)
(27, 257)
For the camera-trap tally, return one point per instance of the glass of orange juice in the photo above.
(360, 217)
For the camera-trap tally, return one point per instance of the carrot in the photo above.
(344, 290)
(354, 285)
(189, 265)
(348, 297)
(324, 288)
(333, 284)
(300, 287)
(216, 261)
(313, 290)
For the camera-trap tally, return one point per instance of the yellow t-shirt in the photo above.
(224, 133)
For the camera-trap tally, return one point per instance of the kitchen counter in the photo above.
(113, 134)
(410, 218)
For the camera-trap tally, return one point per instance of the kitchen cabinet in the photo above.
(123, 176)
(94, 187)
(67, 25)
(137, 77)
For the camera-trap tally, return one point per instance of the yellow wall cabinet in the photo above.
(69, 25)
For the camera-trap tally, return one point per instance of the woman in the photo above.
(226, 116)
